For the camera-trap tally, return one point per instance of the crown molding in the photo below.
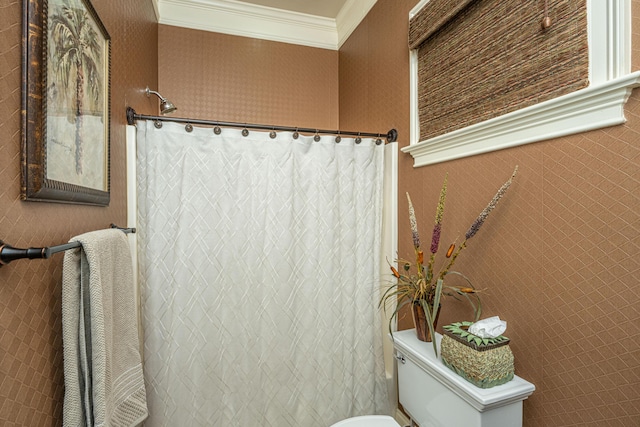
(155, 9)
(249, 20)
(350, 16)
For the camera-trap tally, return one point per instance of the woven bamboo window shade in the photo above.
(479, 59)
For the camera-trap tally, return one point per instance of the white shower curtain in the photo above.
(259, 266)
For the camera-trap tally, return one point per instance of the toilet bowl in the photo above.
(368, 421)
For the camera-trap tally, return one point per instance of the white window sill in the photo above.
(587, 109)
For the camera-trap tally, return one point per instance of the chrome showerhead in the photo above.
(166, 106)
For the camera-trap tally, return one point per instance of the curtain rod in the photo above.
(132, 116)
(9, 253)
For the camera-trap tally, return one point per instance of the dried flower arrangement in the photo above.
(419, 284)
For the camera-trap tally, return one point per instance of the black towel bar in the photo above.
(8, 253)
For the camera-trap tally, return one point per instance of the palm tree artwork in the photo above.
(75, 64)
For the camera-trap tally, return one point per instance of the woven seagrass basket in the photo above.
(485, 366)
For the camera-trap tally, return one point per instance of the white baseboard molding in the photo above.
(401, 418)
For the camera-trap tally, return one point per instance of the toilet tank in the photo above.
(435, 396)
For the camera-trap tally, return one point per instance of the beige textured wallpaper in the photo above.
(559, 258)
(31, 381)
(215, 76)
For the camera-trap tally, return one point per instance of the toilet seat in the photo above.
(368, 421)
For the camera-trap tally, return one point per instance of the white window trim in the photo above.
(599, 105)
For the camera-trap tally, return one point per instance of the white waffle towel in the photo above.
(104, 384)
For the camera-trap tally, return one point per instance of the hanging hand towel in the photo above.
(104, 385)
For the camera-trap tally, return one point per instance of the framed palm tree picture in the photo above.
(65, 103)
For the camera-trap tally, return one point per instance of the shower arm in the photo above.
(166, 106)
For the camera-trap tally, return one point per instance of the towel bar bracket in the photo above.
(8, 253)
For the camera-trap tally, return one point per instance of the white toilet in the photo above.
(434, 396)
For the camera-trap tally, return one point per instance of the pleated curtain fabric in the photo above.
(259, 269)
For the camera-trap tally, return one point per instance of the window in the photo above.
(597, 105)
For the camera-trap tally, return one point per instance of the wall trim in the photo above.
(388, 255)
(155, 9)
(350, 16)
(401, 418)
(248, 20)
(597, 106)
(591, 108)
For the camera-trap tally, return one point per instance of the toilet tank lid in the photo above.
(368, 421)
(421, 353)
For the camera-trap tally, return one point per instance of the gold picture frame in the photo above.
(65, 103)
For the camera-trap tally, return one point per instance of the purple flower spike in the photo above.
(492, 204)
(435, 239)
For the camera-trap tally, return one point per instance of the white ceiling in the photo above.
(317, 23)
(326, 8)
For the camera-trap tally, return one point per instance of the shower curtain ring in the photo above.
(358, 139)
(378, 141)
(158, 124)
(316, 137)
(217, 129)
(338, 138)
(188, 127)
(272, 134)
(296, 134)
(245, 131)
